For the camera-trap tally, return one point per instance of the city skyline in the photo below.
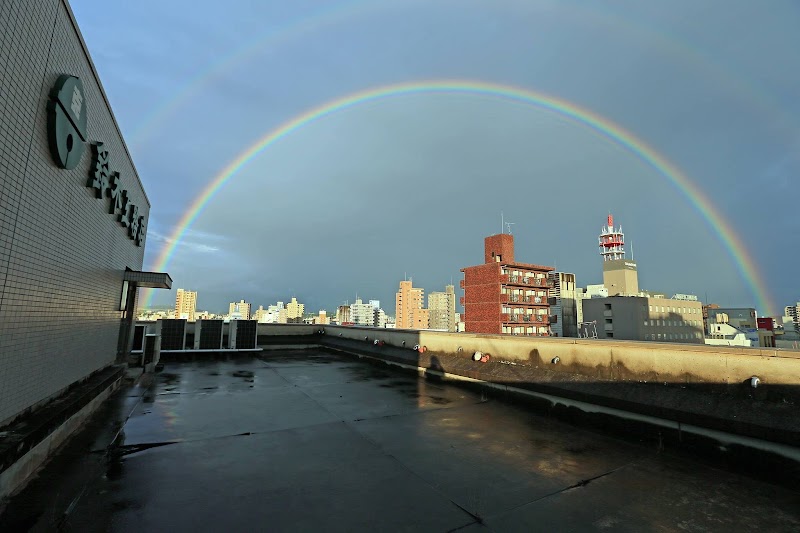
(672, 117)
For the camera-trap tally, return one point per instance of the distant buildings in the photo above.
(322, 318)
(343, 314)
(294, 311)
(261, 314)
(595, 291)
(379, 318)
(186, 304)
(730, 323)
(503, 296)
(362, 314)
(442, 309)
(239, 310)
(274, 314)
(645, 319)
(794, 312)
(409, 312)
(566, 304)
(727, 335)
(618, 309)
(738, 317)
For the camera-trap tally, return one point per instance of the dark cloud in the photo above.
(412, 184)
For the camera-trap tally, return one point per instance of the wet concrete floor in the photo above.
(310, 441)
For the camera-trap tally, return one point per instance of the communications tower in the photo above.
(612, 241)
(620, 275)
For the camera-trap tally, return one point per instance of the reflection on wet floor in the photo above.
(309, 440)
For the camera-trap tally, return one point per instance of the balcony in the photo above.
(461, 283)
(608, 313)
(520, 318)
(462, 301)
(510, 279)
(518, 298)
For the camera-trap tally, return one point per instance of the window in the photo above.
(645, 322)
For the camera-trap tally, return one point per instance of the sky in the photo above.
(410, 184)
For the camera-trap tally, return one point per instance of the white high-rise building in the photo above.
(794, 312)
(380, 318)
(362, 314)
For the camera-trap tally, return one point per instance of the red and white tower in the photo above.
(612, 241)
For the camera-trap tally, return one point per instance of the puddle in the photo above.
(439, 400)
(168, 378)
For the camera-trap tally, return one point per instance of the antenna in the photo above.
(502, 225)
(508, 225)
(632, 258)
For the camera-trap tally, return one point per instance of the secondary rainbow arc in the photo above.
(744, 262)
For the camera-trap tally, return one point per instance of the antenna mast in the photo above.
(612, 241)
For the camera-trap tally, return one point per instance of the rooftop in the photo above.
(308, 440)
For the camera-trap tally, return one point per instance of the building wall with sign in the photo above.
(62, 255)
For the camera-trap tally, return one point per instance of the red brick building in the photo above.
(501, 296)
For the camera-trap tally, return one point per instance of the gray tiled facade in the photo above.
(62, 255)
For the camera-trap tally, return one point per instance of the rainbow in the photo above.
(332, 14)
(616, 134)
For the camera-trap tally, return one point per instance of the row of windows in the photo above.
(671, 336)
(673, 323)
(681, 310)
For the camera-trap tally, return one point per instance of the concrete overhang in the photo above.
(149, 280)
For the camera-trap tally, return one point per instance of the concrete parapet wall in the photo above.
(605, 360)
(288, 329)
(699, 392)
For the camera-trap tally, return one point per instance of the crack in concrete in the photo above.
(579, 484)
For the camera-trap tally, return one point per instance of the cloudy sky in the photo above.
(411, 184)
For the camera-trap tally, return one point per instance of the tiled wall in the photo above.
(62, 255)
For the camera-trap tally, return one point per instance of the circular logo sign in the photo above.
(67, 121)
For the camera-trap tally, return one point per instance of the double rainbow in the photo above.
(616, 134)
